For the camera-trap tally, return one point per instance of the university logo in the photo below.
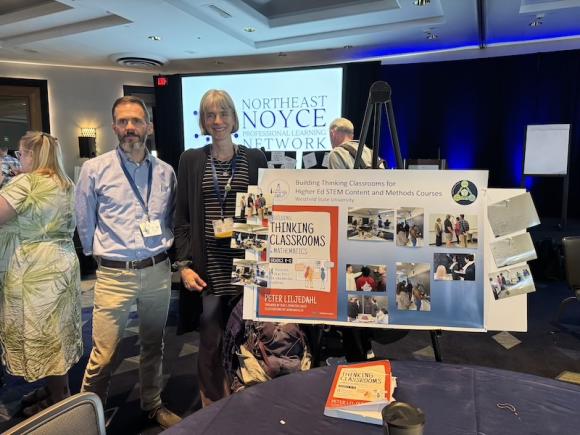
(279, 190)
(464, 192)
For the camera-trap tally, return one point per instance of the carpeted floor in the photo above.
(544, 350)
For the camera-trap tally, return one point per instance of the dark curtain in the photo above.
(475, 113)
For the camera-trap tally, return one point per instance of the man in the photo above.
(125, 201)
(9, 166)
(344, 148)
(464, 227)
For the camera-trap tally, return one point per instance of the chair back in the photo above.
(572, 259)
(78, 414)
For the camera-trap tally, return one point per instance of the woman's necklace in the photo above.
(223, 167)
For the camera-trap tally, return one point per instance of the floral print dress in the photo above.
(40, 309)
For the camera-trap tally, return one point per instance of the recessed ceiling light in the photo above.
(249, 29)
(430, 34)
(154, 37)
(537, 21)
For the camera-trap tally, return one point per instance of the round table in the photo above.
(457, 400)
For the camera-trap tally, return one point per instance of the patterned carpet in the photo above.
(543, 350)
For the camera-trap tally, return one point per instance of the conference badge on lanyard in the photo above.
(150, 228)
(223, 228)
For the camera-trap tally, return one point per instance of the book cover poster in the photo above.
(303, 253)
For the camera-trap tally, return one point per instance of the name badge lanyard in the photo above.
(228, 186)
(144, 205)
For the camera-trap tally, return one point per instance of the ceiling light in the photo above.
(249, 29)
(421, 2)
(537, 21)
(431, 35)
(154, 37)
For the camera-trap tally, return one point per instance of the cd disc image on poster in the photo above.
(453, 230)
(413, 290)
(368, 309)
(511, 282)
(366, 277)
(453, 267)
(410, 223)
(371, 224)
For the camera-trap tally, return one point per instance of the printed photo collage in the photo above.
(511, 247)
(407, 228)
(250, 232)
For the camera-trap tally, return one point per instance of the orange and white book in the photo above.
(360, 391)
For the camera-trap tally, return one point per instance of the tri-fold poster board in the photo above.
(384, 249)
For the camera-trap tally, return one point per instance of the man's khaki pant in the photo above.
(116, 290)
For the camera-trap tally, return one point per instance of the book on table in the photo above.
(360, 391)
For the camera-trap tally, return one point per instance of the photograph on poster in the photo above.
(511, 282)
(366, 277)
(413, 289)
(256, 242)
(368, 309)
(513, 249)
(453, 267)
(370, 224)
(248, 272)
(453, 230)
(253, 205)
(410, 223)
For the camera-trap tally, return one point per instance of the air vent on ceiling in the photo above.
(140, 62)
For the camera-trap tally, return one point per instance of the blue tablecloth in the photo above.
(457, 400)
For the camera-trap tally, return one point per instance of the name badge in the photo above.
(150, 228)
(223, 229)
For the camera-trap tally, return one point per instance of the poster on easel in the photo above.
(374, 248)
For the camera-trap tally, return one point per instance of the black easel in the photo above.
(380, 96)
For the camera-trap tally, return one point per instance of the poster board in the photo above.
(547, 149)
(364, 211)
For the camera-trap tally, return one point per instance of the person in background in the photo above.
(125, 204)
(351, 278)
(9, 166)
(448, 230)
(344, 148)
(438, 232)
(40, 306)
(365, 282)
(209, 179)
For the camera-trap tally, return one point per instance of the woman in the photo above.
(204, 260)
(40, 308)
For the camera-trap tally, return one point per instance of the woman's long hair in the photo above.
(46, 156)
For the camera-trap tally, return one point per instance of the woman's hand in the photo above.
(191, 280)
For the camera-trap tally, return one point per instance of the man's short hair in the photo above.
(342, 125)
(131, 99)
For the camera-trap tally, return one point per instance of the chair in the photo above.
(572, 261)
(78, 414)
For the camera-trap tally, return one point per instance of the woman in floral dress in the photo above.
(40, 310)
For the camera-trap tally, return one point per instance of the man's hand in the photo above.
(191, 280)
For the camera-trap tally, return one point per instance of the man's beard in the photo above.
(136, 145)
